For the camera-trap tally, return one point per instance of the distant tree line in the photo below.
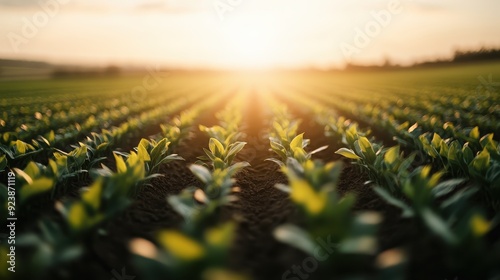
(86, 73)
(23, 63)
(473, 56)
(459, 57)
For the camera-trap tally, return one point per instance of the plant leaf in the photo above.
(446, 187)
(38, 186)
(407, 211)
(348, 153)
(438, 225)
(201, 172)
(296, 237)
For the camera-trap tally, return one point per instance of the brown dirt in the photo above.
(262, 206)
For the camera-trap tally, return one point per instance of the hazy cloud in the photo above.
(163, 6)
(15, 3)
(427, 7)
(170, 6)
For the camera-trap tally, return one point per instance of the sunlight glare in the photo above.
(251, 43)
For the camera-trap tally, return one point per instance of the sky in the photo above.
(244, 33)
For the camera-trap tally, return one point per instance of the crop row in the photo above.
(462, 107)
(17, 153)
(443, 208)
(200, 248)
(460, 152)
(110, 192)
(83, 117)
(349, 238)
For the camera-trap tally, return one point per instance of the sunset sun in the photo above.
(251, 44)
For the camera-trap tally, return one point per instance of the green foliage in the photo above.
(99, 143)
(217, 184)
(444, 211)
(199, 206)
(221, 134)
(186, 256)
(179, 127)
(287, 144)
(222, 155)
(329, 217)
(155, 154)
(385, 166)
(17, 153)
(51, 249)
(482, 167)
(37, 179)
(3, 162)
(204, 243)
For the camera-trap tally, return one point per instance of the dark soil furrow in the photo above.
(262, 206)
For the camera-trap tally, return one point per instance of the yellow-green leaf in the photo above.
(436, 141)
(391, 155)
(303, 193)
(434, 180)
(137, 165)
(365, 144)
(51, 137)
(482, 161)
(222, 274)
(3, 162)
(143, 153)
(21, 146)
(425, 171)
(474, 133)
(348, 153)
(32, 170)
(92, 196)
(297, 142)
(221, 235)
(121, 167)
(38, 186)
(216, 147)
(479, 225)
(77, 216)
(299, 154)
(180, 245)
(144, 143)
(53, 166)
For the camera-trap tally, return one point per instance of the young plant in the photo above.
(182, 255)
(37, 179)
(18, 153)
(224, 135)
(155, 154)
(133, 170)
(482, 167)
(221, 155)
(444, 211)
(328, 218)
(108, 195)
(179, 127)
(201, 248)
(385, 166)
(99, 143)
(199, 206)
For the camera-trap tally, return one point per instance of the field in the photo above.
(253, 175)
